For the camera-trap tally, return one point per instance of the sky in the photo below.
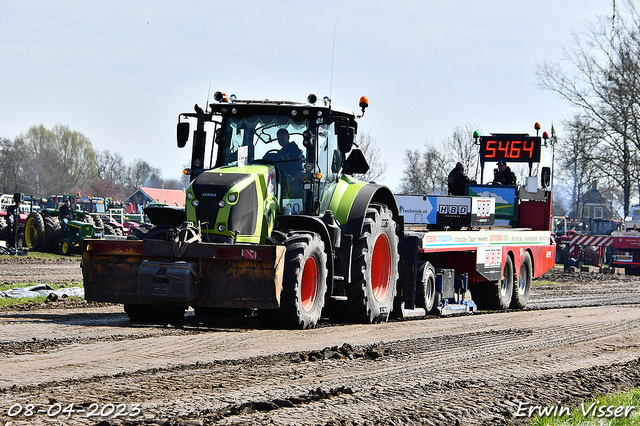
(120, 72)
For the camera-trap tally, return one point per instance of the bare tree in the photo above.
(371, 151)
(602, 80)
(575, 160)
(461, 146)
(141, 173)
(425, 172)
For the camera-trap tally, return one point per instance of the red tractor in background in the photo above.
(12, 223)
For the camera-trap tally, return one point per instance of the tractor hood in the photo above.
(231, 200)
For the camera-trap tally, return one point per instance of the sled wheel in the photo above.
(495, 294)
(523, 287)
(426, 288)
(304, 283)
(374, 271)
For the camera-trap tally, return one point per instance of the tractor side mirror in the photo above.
(307, 140)
(183, 133)
(545, 177)
(219, 136)
(345, 138)
(355, 163)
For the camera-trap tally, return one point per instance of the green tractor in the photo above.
(44, 231)
(283, 229)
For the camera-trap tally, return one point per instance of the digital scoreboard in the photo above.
(513, 148)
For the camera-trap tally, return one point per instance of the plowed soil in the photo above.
(69, 362)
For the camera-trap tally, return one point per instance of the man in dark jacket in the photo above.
(504, 175)
(66, 213)
(458, 180)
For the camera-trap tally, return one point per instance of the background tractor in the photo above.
(44, 231)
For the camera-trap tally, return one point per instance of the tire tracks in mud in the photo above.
(462, 355)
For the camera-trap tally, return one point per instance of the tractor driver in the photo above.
(66, 213)
(12, 213)
(289, 150)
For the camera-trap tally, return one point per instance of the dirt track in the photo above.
(578, 339)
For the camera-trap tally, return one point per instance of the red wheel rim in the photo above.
(381, 267)
(309, 284)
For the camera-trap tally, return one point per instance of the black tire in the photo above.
(97, 220)
(522, 286)
(66, 247)
(52, 233)
(109, 229)
(426, 288)
(155, 313)
(149, 232)
(374, 268)
(497, 294)
(304, 284)
(34, 231)
(86, 218)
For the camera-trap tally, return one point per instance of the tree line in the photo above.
(43, 162)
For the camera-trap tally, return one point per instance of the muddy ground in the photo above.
(69, 362)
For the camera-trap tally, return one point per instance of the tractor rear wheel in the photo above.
(34, 231)
(52, 231)
(304, 283)
(523, 287)
(374, 270)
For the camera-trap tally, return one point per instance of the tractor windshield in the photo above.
(263, 139)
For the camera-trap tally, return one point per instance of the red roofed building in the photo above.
(143, 195)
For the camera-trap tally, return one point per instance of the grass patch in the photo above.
(41, 256)
(30, 300)
(539, 283)
(620, 409)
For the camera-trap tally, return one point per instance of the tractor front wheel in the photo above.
(66, 247)
(374, 271)
(304, 283)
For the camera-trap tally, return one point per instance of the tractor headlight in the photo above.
(195, 202)
(221, 203)
(189, 195)
(221, 227)
(232, 198)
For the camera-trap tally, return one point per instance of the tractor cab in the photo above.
(267, 158)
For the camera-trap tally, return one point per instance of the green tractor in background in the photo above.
(44, 231)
